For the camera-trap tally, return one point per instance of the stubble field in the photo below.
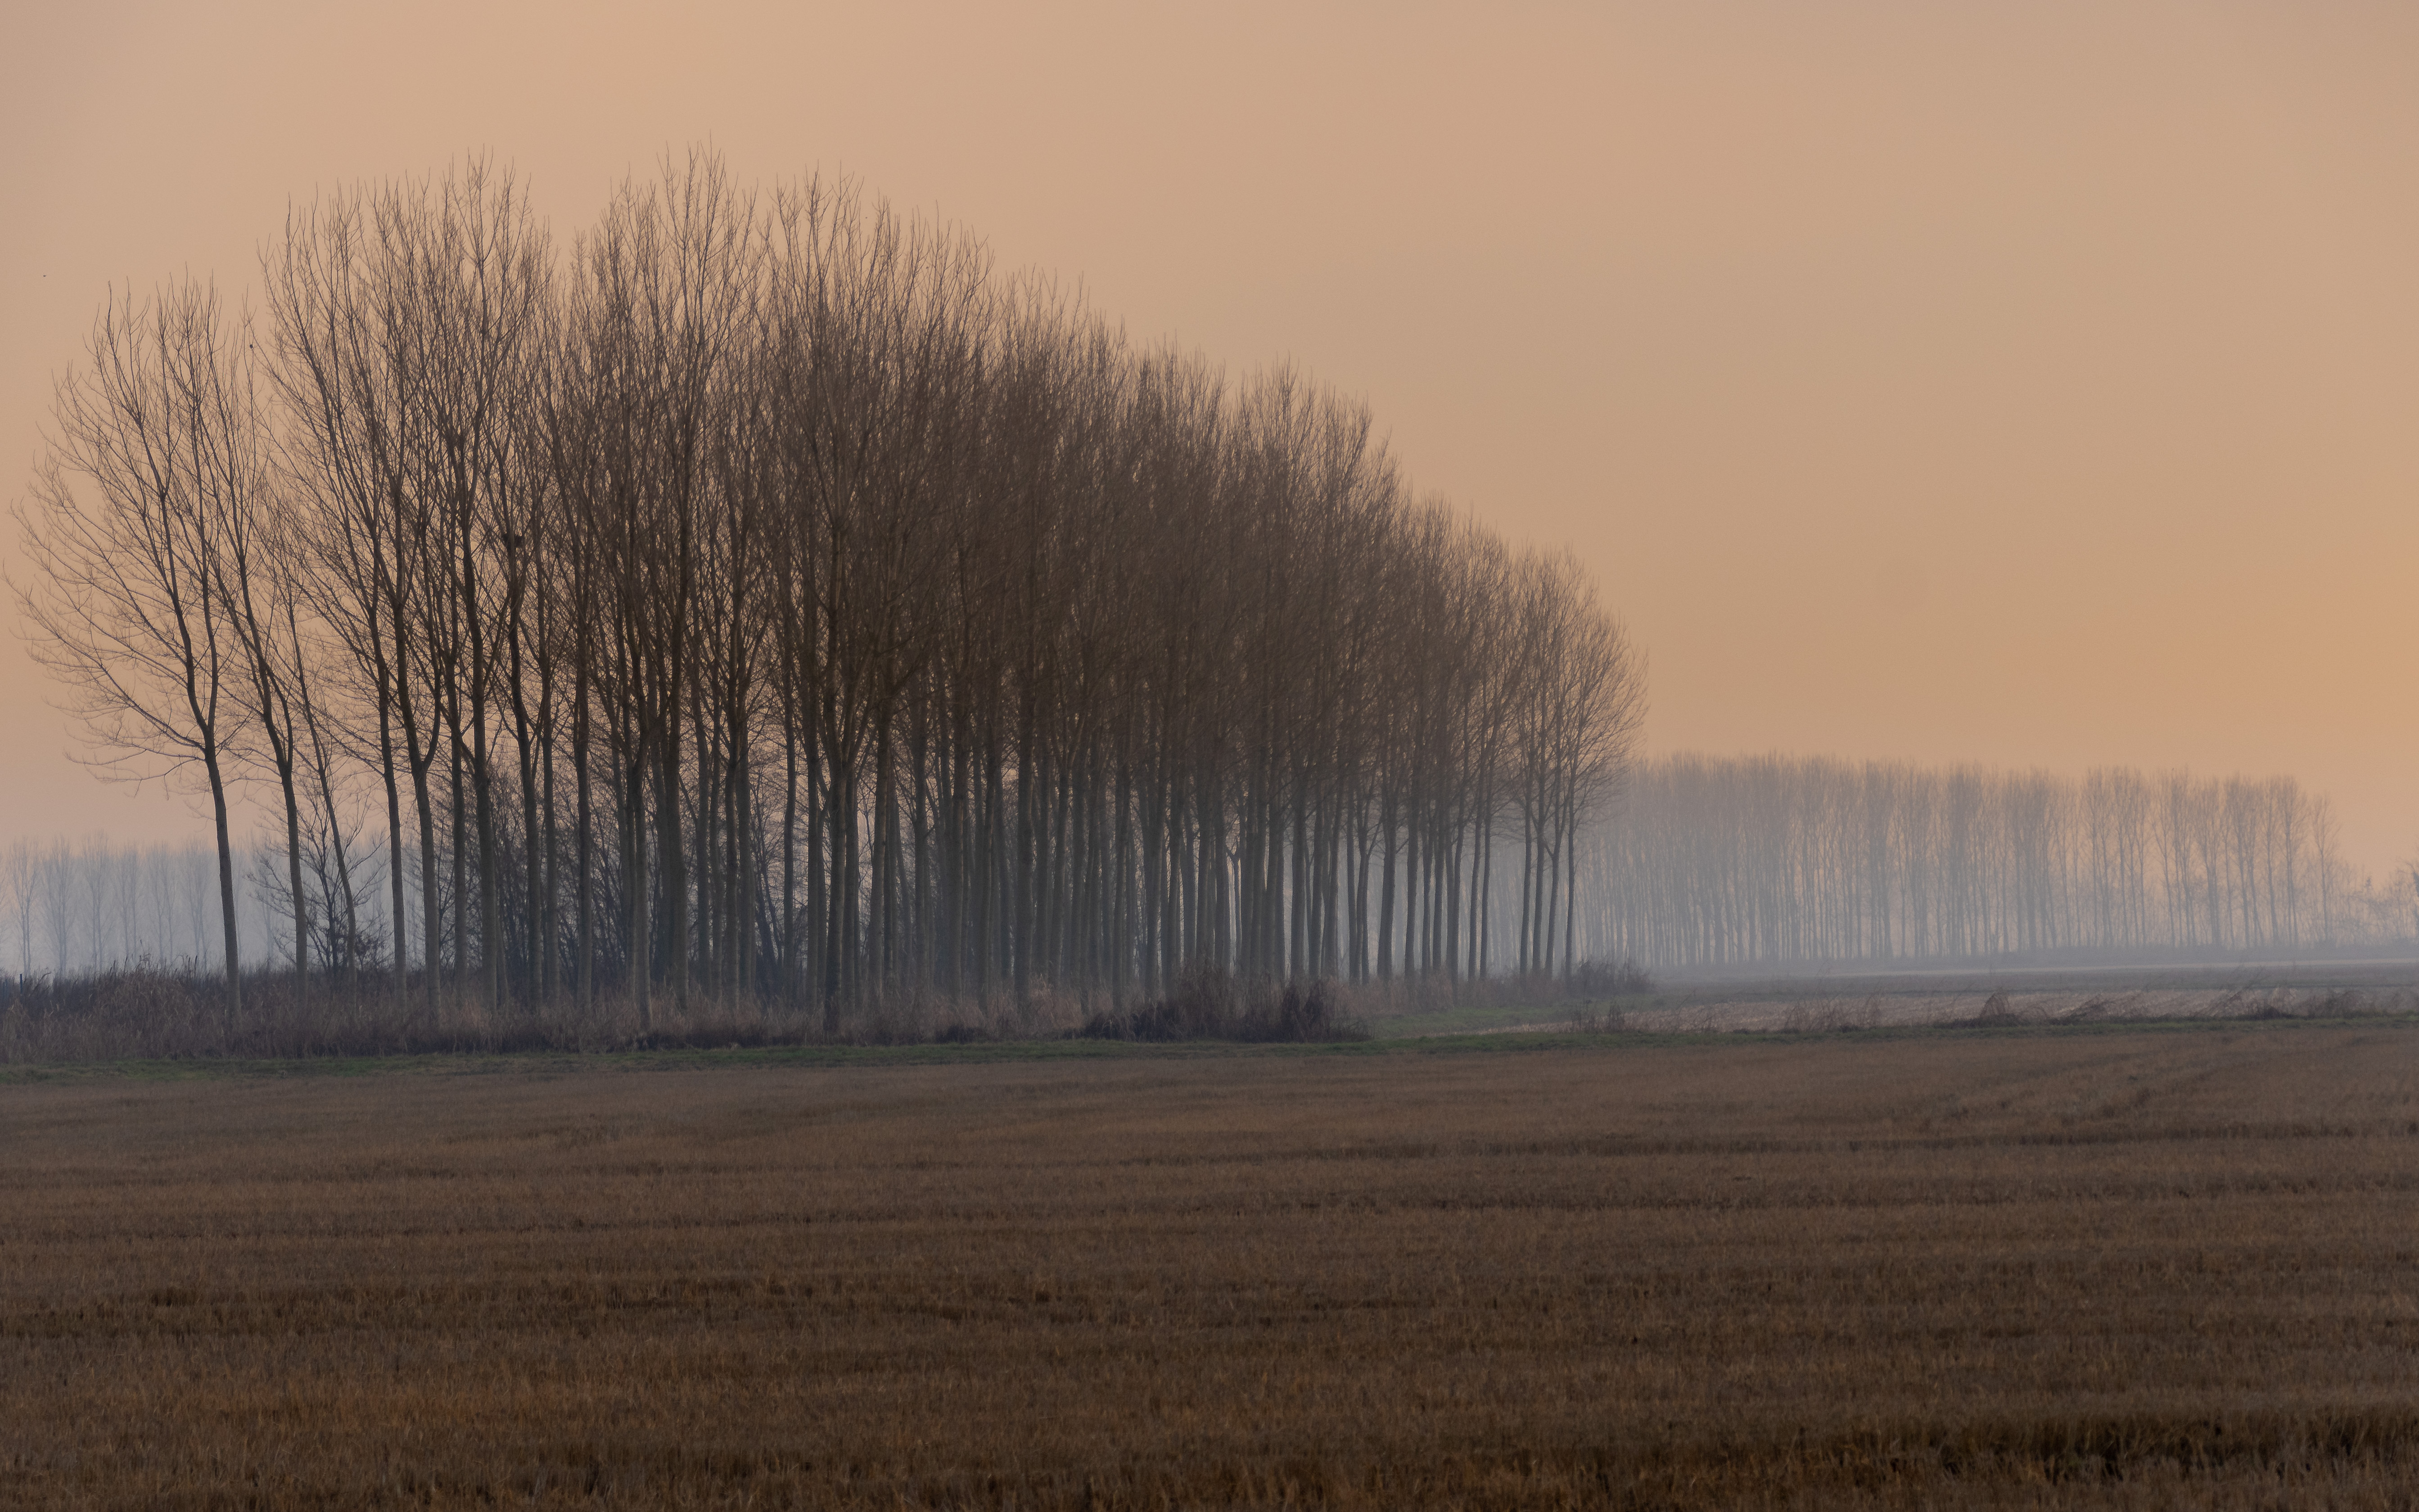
(2083, 1267)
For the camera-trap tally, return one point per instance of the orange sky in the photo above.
(2028, 383)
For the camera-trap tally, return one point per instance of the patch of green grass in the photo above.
(554, 1062)
(197, 1067)
(1465, 1031)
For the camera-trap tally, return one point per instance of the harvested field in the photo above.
(2103, 1266)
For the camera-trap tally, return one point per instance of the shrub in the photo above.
(1624, 977)
(1207, 1006)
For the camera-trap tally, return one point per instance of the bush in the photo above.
(1998, 1013)
(1207, 1006)
(1624, 977)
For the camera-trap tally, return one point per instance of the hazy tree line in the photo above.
(1722, 861)
(758, 597)
(1840, 857)
(72, 908)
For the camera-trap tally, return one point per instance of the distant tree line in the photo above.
(1728, 861)
(72, 908)
(68, 908)
(761, 598)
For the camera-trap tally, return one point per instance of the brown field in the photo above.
(2111, 1267)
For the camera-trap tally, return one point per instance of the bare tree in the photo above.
(153, 468)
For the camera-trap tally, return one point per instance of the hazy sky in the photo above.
(2030, 383)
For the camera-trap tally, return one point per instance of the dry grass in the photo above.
(146, 1013)
(2108, 1269)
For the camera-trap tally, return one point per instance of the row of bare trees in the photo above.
(761, 598)
(1725, 861)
